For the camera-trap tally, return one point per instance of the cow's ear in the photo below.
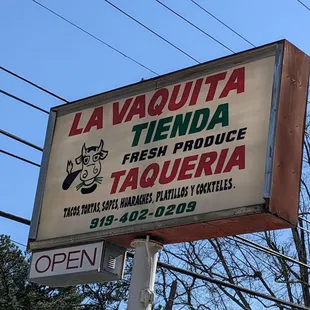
(78, 160)
(103, 155)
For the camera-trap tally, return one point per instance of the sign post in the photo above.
(141, 291)
(210, 151)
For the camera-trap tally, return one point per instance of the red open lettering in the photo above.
(84, 254)
(55, 261)
(37, 262)
(72, 259)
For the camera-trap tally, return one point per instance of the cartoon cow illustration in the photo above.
(90, 159)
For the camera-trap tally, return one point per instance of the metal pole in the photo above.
(141, 291)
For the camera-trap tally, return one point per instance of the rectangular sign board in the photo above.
(208, 151)
(95, 262)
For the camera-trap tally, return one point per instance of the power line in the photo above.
(220, 21)
(267, 250)
(19, 243)
(33, 84)
(20, 140)
(230, 285)
(303, 4)
(303, 219)
(187, 272)
(217, 282)
(152, 31)
(192, 24)
(167, 266)
(20, 158)
(257, 247)
(15, 218)
(240, 239)
(94, 37)
(177, 269)
(226, 284)
(23, 101)
(306, 230)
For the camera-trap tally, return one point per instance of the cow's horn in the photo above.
(84, 150)
(101, 145)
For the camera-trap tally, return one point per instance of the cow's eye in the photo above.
(85, 160)
(96, 157)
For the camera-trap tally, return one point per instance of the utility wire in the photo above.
(217, 282)
(167, 266)
(220, 21)
(15, 218)
(303, 4)
(230, 285)
(239, 238)
(226, 284)
(20, 140)
(33, 84)
(94, 37)
(20, 158)
(170, 267)
(152, 31)
(306, 230)
(193, 25)
(23, 101)
(19, 243)
(267, 250)
(303, 219)
(245, 241)
(257, 247)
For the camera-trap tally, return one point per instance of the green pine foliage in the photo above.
(16, 293)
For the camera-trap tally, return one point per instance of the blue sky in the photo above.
(50, 52)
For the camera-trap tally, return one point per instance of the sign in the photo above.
(208, 151)
(96, 262)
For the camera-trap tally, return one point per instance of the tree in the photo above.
(229, 260)
(110, 295)
(17, 293)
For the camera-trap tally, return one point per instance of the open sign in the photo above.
(78, 264)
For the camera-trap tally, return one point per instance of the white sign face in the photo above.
(187, 149)
(65, 261)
